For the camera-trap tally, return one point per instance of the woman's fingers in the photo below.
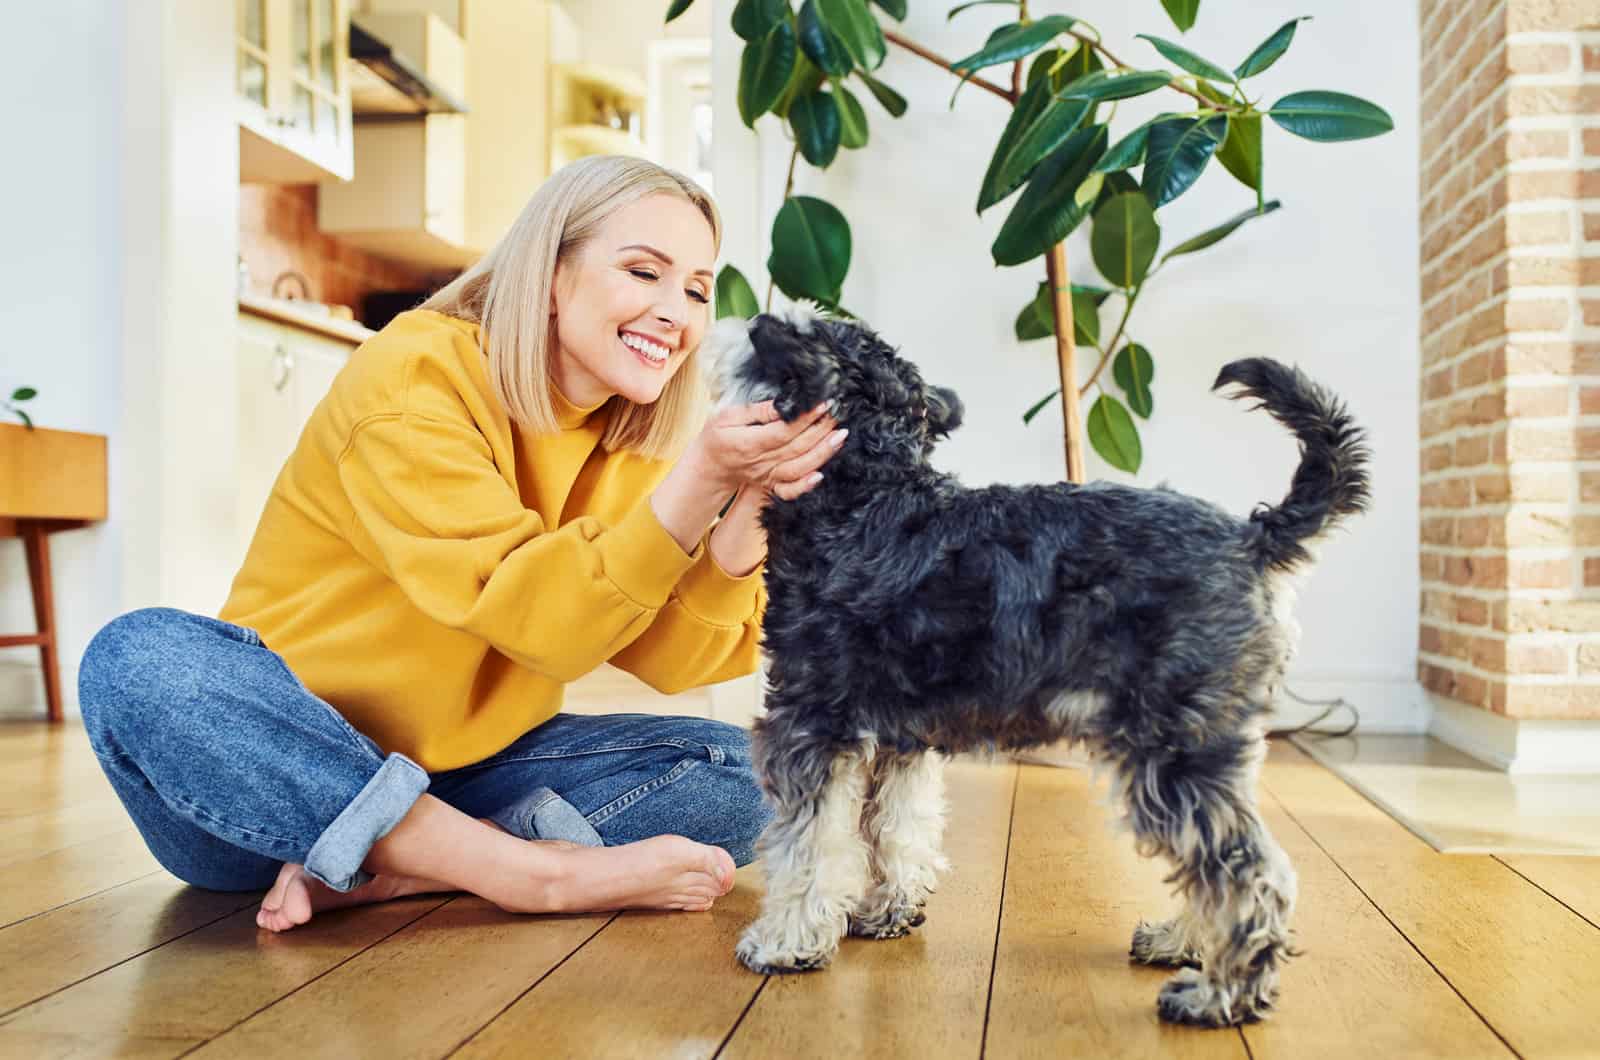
(745, 415)
(801, 467)
(788, 491)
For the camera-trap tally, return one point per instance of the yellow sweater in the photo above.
(437, 573)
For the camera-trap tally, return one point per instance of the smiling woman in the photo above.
(502, 490)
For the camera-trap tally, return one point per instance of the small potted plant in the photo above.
(19, 395)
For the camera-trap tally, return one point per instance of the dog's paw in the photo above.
(1190, 997)
(766, 959)
(1154, 944)
(893, 923)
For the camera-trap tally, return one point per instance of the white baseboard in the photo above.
(1516, 745)
(1386, 704)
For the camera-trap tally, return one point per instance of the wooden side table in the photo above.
(49, 481)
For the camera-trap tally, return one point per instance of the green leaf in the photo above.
(1188, 60)
(1064, 67)
(764, 72)
(1115, 84)
(852, 119)
(1113, 434)
(1014, 41)
(1042, 136)
(1269, 50)
(887, 98)
(24, 393)
(1038, 318)
(1182, 13)
(1038, 406)
(1124, 239)
(1330, 116)
(819, 43)
(817, 129)
(1133, 369)
(1117, 182)
(734, 296)
(954, 11)
(1126, 152)
(754, 19)
(1221, 231)
(895, 8)
(1049, 208)
(856, 29)
(1240, 152)
(1177, 153)
(1036, 321)
(810, 249)
(1028, 107)
(678, 7)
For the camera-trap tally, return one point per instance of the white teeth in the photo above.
(654, 351)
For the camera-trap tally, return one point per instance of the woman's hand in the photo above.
(750, 445)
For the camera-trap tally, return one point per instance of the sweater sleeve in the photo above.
(431, 510)
(709, 631)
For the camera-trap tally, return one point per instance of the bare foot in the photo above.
(296, 896)
(663, 872)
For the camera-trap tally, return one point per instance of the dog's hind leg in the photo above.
(1197, 807)
(815, 859)
(1171, 943)
(904, 826)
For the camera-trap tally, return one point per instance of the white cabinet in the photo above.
(293, 91)
(284, 371)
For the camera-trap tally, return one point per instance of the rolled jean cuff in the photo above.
(546, 815)
(336, 856)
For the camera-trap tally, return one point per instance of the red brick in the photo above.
(1540, 573)
(1525, 658)
(1537, 314)
(1565, 700)
(1533, 402)
(1539, 58)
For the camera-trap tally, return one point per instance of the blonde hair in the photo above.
(507, 294)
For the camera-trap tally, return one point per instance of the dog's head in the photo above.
(799, 357)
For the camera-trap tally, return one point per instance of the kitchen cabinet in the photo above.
(408, 199)
(284, 370)
(293, 91)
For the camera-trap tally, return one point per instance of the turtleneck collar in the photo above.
(568, 415)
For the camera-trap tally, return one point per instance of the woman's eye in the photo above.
(698, 297)
(643, 274)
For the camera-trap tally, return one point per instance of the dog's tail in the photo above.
(1332, 479)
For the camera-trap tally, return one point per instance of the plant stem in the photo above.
(1101, 48)
(1066, 360)
(788, 190)
(1110, 347)
(933, 57)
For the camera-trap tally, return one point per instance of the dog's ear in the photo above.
(797, 360)
(944, 410)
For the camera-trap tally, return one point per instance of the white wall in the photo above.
(116, 297)
(60, 289)
(1329, 282)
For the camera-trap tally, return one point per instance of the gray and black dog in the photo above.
(910, 617)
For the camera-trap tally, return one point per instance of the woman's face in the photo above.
(632, 304)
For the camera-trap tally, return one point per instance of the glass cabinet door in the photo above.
(253, 53)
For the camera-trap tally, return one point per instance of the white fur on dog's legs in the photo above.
(817, 870)
(904, 826)
(1179, 941)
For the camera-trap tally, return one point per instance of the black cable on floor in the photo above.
(1330, 706)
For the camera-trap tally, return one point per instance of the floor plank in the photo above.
(1063, 984)
(208, 981)
(1575, 882)
(29, 835)
(419, 994)
(46, 953)
(918, 996)
(649, 985)
(1527, 964)
(32, 885)
(1355, 965)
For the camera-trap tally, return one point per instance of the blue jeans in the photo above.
(230, 767)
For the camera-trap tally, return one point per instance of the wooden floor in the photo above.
(1409, 953)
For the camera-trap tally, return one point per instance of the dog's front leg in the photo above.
(904, 826)
(816, 868)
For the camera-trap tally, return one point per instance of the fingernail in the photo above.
(837, 437)
(813, 478)
(824, 407)
(833, 403)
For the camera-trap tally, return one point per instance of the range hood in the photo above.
(384, 83)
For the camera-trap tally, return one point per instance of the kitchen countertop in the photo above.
(286, 311)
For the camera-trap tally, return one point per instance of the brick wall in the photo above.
(278, 232)
(1510, 418)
